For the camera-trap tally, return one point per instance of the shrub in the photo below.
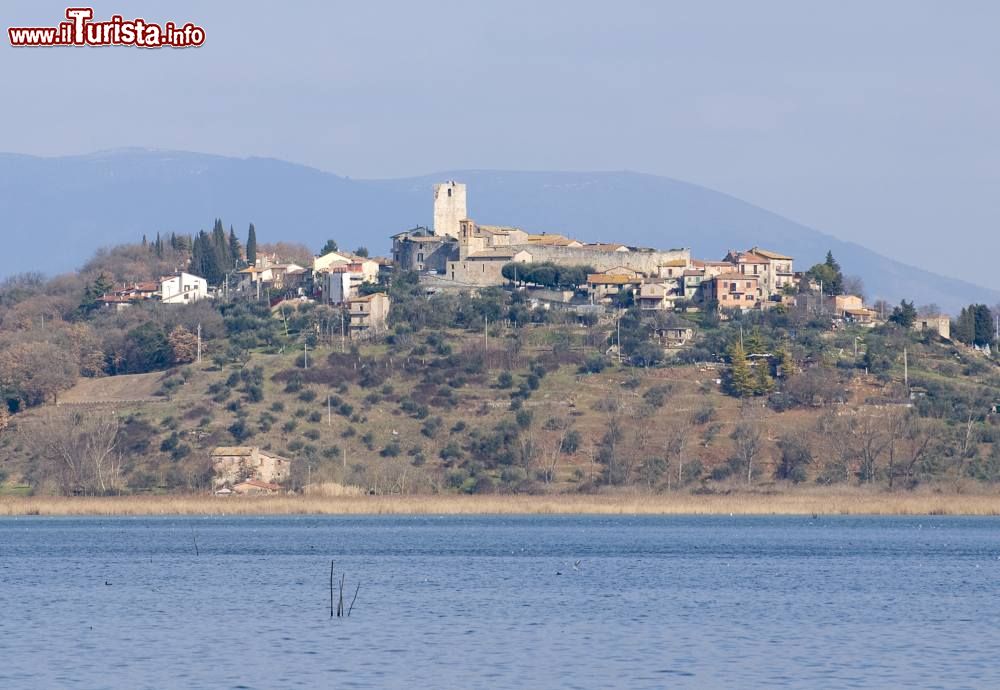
(307, 395)
(595, 364)
(240, 430)
(571, 442)
(657, 395)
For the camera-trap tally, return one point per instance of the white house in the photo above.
(183, 288)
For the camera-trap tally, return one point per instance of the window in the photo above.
(420, 257)
(749, 298)
(449, 191)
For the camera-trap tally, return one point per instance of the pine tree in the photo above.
(753, 342)
(784, 364)
(904, 315)
(763, 383)
(101, 286)
(740, 382)
(252, 246)
(158, 246)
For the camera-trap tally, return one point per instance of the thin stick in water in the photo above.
(340, 603)
(351, 607)
(331, 589)
(194, 538)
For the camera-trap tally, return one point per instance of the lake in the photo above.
(500, 602)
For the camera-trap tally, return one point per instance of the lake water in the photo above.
(479, 602)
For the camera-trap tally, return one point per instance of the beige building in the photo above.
(606, 285)
(938, 324)
(232, 465)
(839, 305)
(780, 272)
(369, 314)
(322, 263)
(484, 267)
(655, 297)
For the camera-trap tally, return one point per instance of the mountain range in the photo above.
(54, 212)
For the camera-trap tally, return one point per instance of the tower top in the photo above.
(449, 207)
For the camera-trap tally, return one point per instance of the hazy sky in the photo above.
(874, 121)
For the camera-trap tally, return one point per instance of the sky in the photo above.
(873, 121)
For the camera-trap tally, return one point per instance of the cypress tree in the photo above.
(235, 249)
(252, 246)
(205, 259)
(982, 324)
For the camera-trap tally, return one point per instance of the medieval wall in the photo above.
(643, 262)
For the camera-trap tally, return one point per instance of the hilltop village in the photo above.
(480, 358)
(553, 270)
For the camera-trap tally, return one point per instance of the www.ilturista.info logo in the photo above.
(80, 30)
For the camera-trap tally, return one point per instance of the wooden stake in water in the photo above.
(351, 607)
(340, 604)
(331, 589)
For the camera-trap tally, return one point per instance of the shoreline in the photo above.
(806, 502)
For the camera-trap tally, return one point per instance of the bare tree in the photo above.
(748, 439)
(910, 440)
(866, 440)
(80, 450)
(674, 445)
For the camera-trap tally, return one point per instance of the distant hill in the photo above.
(55, 211)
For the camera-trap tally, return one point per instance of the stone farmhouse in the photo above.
(232, 465)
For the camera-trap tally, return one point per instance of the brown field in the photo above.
(799, 502)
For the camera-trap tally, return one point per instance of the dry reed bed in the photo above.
(855, 502)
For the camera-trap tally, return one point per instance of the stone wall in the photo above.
(647, 262)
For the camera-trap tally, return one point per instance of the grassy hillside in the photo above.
(435, 412)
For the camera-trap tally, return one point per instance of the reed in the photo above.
(808, 501)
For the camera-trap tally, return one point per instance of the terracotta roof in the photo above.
(606, 279)
(769, 255)
(257, 484)
(695, 272)
(733, 276)
(747, 258)
(675, 263)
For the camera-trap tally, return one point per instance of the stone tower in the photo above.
(449, 208)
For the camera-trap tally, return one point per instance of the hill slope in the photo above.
(56, 211)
